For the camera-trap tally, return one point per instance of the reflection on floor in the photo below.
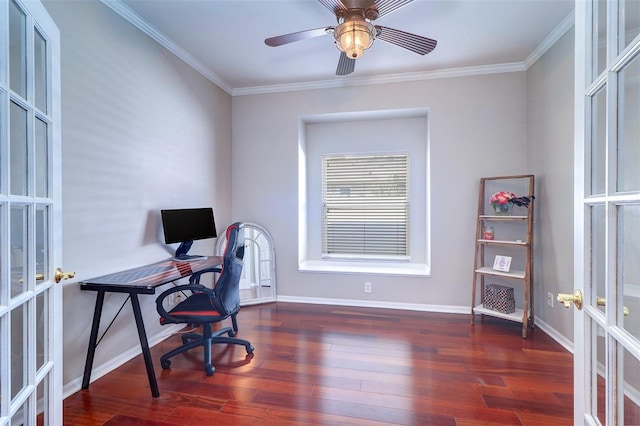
(256, 293)
(335, 365)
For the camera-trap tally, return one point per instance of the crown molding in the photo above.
(127, 13)
(135, 19)
(564, 26)
(383, 79)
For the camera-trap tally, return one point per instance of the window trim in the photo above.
(308, 261)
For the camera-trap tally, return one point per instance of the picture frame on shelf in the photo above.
(502, 263)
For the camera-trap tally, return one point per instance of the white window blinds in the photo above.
(365, 206)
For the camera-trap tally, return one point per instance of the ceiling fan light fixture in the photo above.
(354, 37)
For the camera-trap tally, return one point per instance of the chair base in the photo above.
(206, 339)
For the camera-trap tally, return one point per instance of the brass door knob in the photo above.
(568, 299)
(601, 301)
(59, 275)
(39, 277)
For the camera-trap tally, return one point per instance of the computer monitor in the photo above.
(187, 225)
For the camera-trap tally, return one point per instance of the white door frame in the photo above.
(600, 337)
(41, 390)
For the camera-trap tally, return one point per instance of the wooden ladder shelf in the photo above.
(509, 236)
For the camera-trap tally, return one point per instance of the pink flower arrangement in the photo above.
(501, 198)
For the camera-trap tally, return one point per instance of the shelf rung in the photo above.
(511, 274)
(516, 316)
(504, 242)
(495, 217)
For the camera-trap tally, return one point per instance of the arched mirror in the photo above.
(258, 282)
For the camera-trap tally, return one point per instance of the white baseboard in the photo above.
(451, 309)
(98, 371)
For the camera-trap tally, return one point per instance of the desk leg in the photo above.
(146, 353)
(88, 365)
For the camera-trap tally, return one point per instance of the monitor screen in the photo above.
(183, 225)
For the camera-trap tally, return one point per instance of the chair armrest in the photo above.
(195, 278)
(195, 288)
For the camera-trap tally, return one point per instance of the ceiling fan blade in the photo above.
(387, 6)
(333, 5)
(300, 35)
(346, 65)
(412, 42)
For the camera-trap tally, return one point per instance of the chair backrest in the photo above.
(227, 286)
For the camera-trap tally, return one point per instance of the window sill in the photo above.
(376, 268)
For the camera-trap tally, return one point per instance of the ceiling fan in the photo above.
(355, 33)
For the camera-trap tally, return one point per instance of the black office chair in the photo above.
(207, 306)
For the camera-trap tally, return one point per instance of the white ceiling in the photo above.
(224, 39)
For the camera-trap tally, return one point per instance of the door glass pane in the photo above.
(598, 142)
(42, 345)
(17, 50)
(18, 149)
(21, 417)
(629, 267)
(18, 241)
(599, 37)
(18, 350)
(598, 373)
(3, 288)
(42, 159)
(40, 71)
(3, 338)
(43, 402)
(629, 127)
(629, 22)
(631, 389)
(597, 282)
(42, 243)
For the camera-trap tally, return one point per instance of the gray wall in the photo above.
(141, 131)
(478, 127)
(550, 150)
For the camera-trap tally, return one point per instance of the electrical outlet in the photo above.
(550, 299)
(173, 299)
(367, 287)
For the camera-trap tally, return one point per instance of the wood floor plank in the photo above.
(331, 365)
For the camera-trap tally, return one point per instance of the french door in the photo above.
(30, 222)
(607, 212)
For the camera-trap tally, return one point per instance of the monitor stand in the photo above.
(181, 253)
(183, 249)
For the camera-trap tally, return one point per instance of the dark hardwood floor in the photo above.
(333, 365)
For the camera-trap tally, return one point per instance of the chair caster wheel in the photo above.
(209, 370)
(165, 364)
(250, 349)
(231, 333)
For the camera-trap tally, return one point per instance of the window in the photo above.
(363, 141)
(365, 206)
